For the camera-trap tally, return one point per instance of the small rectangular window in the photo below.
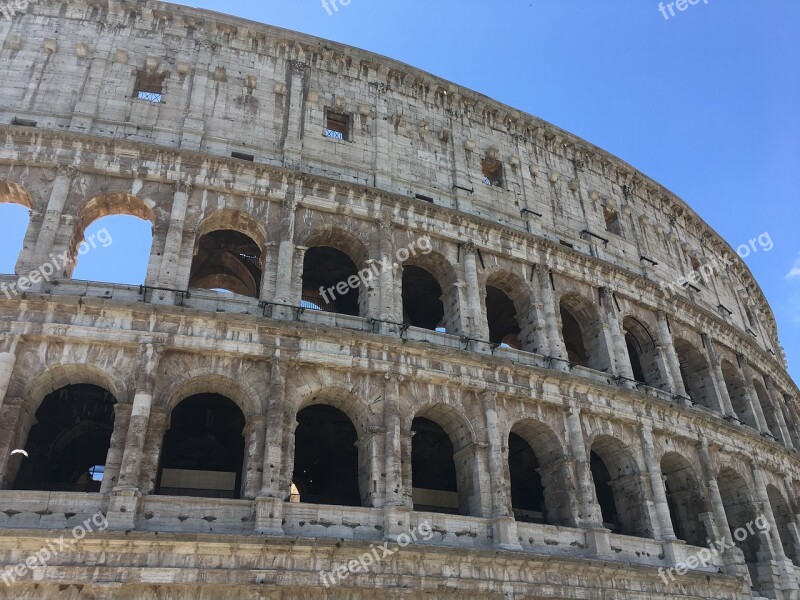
(422, 197)
(243, 156)
(337, 126)
(23, 122)
(613, 224)
(149, 86)
(492, 172)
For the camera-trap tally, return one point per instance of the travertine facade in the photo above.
(656, 420)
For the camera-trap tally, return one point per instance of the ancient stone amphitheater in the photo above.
(455, 357)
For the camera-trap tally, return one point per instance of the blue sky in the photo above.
(706, 102)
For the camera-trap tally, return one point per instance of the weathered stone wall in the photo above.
(230, 86)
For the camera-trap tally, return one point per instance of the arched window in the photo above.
(502, 316)
(15, 207)
(330, 280)
(67, 446)
(582, 332)
(203, 450)
(643, 353)
(783, 519)
(696, 375)
(740, 399)
(422, 299)
(115, 249)
(326, 457)
(740, 511)
(229, 261)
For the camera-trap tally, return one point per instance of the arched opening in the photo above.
(67, 446)
(618, 487)
(15, 208)
(740, 511)
(686, 502)
(581, 330)
(422, 299)
(541, 485)
(770, 414)
(112, 240)
(696, 375)
(326, 457)
(115, 249)
(740, 399)
(783, 518)
(227, 260)
(643, 353)
(331, 281)
(203, 450)
(501, 314)
(442, 460)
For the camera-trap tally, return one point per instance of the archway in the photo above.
(770, 413)
(15, 207)
(422, 299)
(228, 260)
(68, 445)
(783, 519)
(740, 511)
(501, 314)
(642, 353)
(582, 333)
(326, 457)
(203, 450)
(740, 399)
(684, 498)
(696, 375)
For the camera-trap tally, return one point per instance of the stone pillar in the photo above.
(122, 416)
(168, 270)
(721, 390)
(254, 458)
(589, 515)
(395, 491)
(15, 422)
(715, 498)
(293, 143)
(551, 319)
(479, 327)
(140, 416)
(667, 350)
(284, 268)
(8, 359)
(620, 361)
(25, 259)
(657, 484)
(52, 217)
(752, 395)
(773, 535)
(271, 484)
(505, 527)
(151, 455)
(777, 402)
(388, 311)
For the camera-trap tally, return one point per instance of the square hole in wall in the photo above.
(337, 126)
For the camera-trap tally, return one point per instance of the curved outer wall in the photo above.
(565, 229)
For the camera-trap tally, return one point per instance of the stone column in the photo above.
(723, 398)
(153, 443)
(505, 527)
(52, 217)
(140, 416)
(539, 340)
(773, 535)
(777, 401)
(168, 270)
(589, 515)
(269, 504)
(254, 459)
(395, 490)
(293, 142)
(388, 311)
(657, 485)
(8, 359)
(667, 348)
(715, 498)
(551, 319)
(752, 395)
(479, 328)
(122, 416)
(620, 361)
(284, 268)
(25, 260)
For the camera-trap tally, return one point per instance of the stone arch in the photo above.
(14, 193)
(738, 393)
(455, 457)
(332, 449)
(229, 253)
(508, 302)
(740, 510)
(428, 291)
(15, 235)
(98, 207)
(582, 332)
(199, 381)
(551, 482)
(686, 502)
(784, 520)
(334, 257)
(643, 353)
(767, 406)
(618, 486)
(696, 373)
(58, 376)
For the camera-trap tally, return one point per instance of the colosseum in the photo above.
(396, 339)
